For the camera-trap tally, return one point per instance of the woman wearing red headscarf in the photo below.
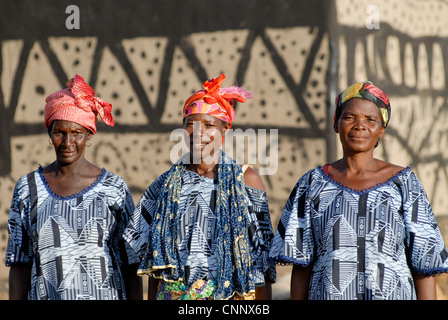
(360, 228)
(203, 228)
(67, 219)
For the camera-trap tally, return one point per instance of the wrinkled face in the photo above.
(69, 140)
(204, 135)
(359, 125)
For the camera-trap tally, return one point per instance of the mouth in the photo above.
(198, 143)
(66, 153)
(357, 138)
(198, 147)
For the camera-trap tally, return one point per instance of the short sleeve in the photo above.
(293, 241)
(128, 208)
(137, 230)
(19, 250)
(261, 235)
(427, 251)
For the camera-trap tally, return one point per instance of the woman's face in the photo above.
(360, 126)
(204, 135)
(69, 140)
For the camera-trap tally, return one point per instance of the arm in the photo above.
(422, 232)
(19, 282)
(19, 253)
(425, 287)
(264, 293)
(300, 281)
(152, 288)
(253, 179)
(134, 289)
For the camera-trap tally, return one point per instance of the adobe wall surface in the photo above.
(147, 58)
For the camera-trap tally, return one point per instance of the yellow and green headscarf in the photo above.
(365, 90)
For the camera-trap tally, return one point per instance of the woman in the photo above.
(203, 227)
(360, 228)
(67, 219)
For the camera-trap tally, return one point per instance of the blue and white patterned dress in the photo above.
(360, 244)
(197, 231)
(74, 244)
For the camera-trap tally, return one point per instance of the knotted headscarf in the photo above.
(365, 90)
(216, 101)
(77, 104)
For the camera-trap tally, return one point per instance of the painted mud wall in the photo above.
(147, 57)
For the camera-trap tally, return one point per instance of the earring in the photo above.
(377, 143)
(50, 142)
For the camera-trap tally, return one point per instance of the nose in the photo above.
(67, 139)
(198, 128)
(360, 124)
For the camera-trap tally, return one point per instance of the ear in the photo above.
(380, 136)
(226, 127)
(335, 127)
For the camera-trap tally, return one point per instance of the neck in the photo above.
(203, 169)
(207, 167)
(356, 162)
(69, 170)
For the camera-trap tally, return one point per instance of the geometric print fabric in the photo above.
(75, 243)
(197, 227)
(362, 244)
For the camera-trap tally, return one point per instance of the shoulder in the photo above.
(112, 185)
(389, 169)
(112, 179)
(310, 176)
(27, 179)
(253, 179)
(22, 186)
(152, 191)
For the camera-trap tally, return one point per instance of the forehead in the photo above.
(202, 117)
(67, 125)
(358, 105)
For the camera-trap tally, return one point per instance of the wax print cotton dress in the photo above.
(360, 244)
(74, 244)
(197, 235)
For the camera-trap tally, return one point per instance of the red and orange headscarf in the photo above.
(77, 104)
(216, 101)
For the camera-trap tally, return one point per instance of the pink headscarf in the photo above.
(216, 101)
(77, 104)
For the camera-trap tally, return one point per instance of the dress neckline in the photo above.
(74, 195)
(324, 172)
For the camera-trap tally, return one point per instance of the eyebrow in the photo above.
(368, 115)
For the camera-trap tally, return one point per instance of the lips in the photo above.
(198, 146)
(198, 143)
(66, 153)
(355, 137)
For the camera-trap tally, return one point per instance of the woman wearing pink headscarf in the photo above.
(66, 219)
